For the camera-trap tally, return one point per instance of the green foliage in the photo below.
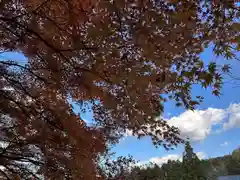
(115, 169)
(235, 159)
(172, 170)
(191, 168)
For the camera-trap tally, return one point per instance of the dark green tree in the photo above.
(191, 165)
(233, 165)
(192, 168)
(153, 172)
(172, 170)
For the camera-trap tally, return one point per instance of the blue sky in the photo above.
(220, 115)
(220, 140)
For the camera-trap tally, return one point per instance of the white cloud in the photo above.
(233, 117)
(174, 157)
(161, 160)
(225, 144)
(201, 155)
(164, 159)
(197, 125)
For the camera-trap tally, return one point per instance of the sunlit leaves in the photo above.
(120, 56)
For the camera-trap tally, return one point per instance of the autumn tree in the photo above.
(121, 57)
(123, 64)
(40, 134)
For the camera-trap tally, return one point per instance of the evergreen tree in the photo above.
(192, 168)
(233, 164)
(173, 170)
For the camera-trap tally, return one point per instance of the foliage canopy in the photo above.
(122, 57)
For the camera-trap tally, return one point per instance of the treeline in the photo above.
(191, 167)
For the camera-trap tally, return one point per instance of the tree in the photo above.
(191, 168)
(233, 165)
(117, 169)
(145, 172)
(191, 165)
(120, 59)
(40, 134)
(173, 170)
(108, 54)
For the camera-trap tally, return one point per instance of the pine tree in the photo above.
(191, 165)
(233, 164)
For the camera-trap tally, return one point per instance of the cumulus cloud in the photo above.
(161, 160)
(197, 125)
(174, 157)
(233, 112)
